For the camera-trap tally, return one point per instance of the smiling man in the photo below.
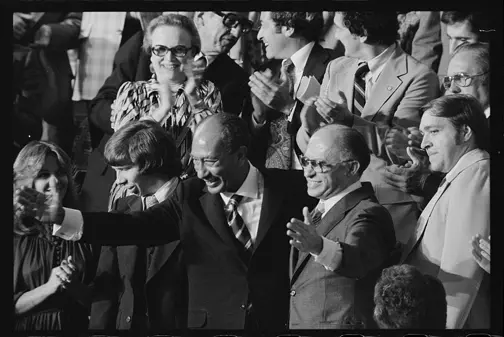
(456, 138)
(230, 221)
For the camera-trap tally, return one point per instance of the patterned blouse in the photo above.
(136, 100)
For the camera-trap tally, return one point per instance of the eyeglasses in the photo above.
(460, 79)
(207, 162)
(178, 51)
(318, 166)
(231, 20)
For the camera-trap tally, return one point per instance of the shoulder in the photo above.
(226, 67)
(340, 63)
(413, 66)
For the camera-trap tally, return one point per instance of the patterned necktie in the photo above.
(288, 75)
(236, 223)
(359, 99)
(316, 214)
(150, 201)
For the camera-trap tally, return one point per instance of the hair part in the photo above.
(462, 110)
(172, 20)
(379, 28)
(144, 143)
(308, 25)
(26, 168)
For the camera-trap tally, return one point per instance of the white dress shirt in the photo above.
(330, 248)
(376, 66)
(163, 192)
(250, 206)
(487, 112)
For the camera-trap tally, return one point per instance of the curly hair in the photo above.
(26, 168)
(380, 28)
(308, 25)
(406, 299)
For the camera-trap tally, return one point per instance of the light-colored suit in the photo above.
(402, 88)
(343, 298)
(441, 243)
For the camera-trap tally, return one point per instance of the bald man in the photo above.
(340, 248)
(230, 221)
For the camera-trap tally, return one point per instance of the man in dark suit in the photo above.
(291, 37)
(132, 64)
(340, 249)
(230, 223)
(141, 288)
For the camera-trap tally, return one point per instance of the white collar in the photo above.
(377, 63)
(300, 57)
(166, 190)
(329, 203)
(487, 112)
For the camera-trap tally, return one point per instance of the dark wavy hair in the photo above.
(379, 27)
(26, 168)
(480, 22)
(308, 25)
(407, 299)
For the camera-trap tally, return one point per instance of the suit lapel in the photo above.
(332, 219)
(213, 207)
(387, 83)
(344, 82)
(316, 63)
(271, 205)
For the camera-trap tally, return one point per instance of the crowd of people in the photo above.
(251, 171)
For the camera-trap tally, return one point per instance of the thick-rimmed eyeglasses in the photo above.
(178, 51)
(460, 79)
(231, 20)
(319, 166)
(207, 162)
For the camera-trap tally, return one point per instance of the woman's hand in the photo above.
(61, 276)
(194, 72)
(28, 203)
(166, 100)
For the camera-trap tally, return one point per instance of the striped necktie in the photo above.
(316, 214)
(236, 223)
(359, 97)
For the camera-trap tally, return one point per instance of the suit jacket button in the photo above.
(243, 306)
(293, 292)
(128, 319)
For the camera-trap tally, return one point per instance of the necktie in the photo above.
(150, 201)
(359, 99)
(236, 223)
(316, 214)
(288, 75)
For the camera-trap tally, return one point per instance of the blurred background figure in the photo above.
(51, 275)
(406, 299)
(481, 251)
(43, 77)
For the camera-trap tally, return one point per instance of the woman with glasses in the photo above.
(176, 96)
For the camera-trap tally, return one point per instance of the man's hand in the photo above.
(333, 111)
(408, 178)
(304, 236)
(273, 94)
(398, 139)
(311, 120)
(18, 25)
(42, 37)
(481, 252)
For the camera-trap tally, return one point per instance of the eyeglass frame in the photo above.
(460, 75)
(240, 21)
(318, 165)
(168, 49)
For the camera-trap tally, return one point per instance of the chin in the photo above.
(314, 193)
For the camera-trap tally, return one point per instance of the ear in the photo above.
(287, 31)
(353, 168)
(242, 153)
(466, 133)
(362, 39)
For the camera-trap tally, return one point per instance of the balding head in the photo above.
(335, 158)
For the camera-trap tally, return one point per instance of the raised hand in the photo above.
(407, 178)
(333, 110)
(304, 235)
(18, 25)
(28, 203)
(53, 209)
(194, 71)
(273, 94)
(481, 252)
(61, 277)
(166, 99)
(396, 141)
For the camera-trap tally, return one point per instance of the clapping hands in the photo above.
(481, 252)
(62, 276)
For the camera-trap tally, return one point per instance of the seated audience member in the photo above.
(177, 97)
(481, 251)
(406, 299)
(466, 27)
(293, 38)
(338, 249)
(468, 73)
(375, 87)
(218, 32)
(456, 139)
(51, 275)
(141, 288)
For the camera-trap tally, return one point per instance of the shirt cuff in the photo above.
(71, 227)
(331, 255)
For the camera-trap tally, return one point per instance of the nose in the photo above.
(260, 34)
(236, 31)
(53, 179)
(453, 89)
(425, 142)
(200, 169)
(120, 179)
(169, 56)
(453, 45)
(308, 171)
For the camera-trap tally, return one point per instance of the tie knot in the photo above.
(234, 201)
(288, 65)
(362, 70)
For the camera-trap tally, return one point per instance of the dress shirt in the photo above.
(331, 249)
(163, 192)
(376, 66)
(209, 58)
(250, 206)
(487, 112)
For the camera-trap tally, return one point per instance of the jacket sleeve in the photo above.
(65, 34)
(124, 70)
(427, 47)
(466, 216)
